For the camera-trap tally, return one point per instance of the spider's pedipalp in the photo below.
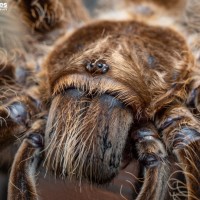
(153, 156)
(22, 183)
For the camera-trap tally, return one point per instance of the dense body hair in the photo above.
(137, 56)
(104, 94)
(110, 41)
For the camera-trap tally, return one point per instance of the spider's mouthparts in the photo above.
(86, 135)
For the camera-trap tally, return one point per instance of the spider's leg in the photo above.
(181, 135)
(152, 155)
(15, 118)
(44, 16)
(22, 183)
(193, 99)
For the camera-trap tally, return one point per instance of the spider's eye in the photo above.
(150, 160)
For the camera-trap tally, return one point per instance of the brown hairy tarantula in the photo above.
(105, 93)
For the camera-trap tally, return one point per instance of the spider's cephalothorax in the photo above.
(104, 79)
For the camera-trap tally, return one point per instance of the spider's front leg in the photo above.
(22, 183)
(15, 117)
(152, 155)
(181, 135)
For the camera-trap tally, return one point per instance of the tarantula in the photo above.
(108, 92)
